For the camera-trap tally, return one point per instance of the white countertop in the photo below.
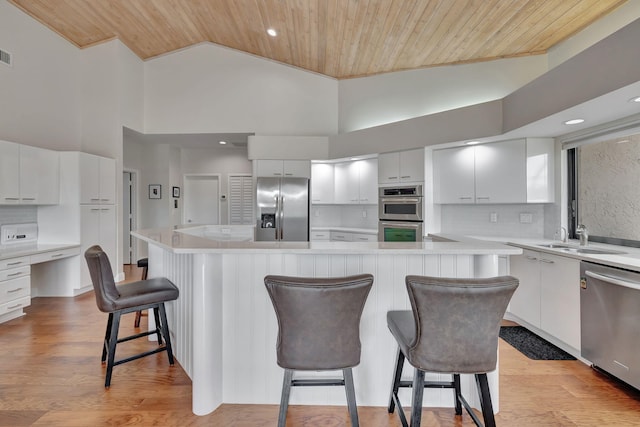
(180, 242)
(347, 229)
(18, 250)
(629, 260)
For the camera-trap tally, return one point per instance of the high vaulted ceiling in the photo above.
(338, 38)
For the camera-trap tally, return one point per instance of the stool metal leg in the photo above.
(457, 392)
(351, 396)
(113, 340)
(284, 399)
(156, 316)
(397, 374)
(485, 400)
(107, 335)
(416, 398)
(164, 328)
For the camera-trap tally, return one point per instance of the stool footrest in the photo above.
(141, 355)
(317, 382)
(428, 384)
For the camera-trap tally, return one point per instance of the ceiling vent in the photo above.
(5, 58)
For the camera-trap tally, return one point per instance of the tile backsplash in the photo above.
(475, 220)
(18, 214)
(355, 216)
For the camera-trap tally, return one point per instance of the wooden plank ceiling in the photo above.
(337, 38)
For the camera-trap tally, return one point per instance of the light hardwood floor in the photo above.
(51, 375)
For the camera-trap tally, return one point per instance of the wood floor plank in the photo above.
(51, 376)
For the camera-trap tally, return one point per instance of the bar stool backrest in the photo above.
(318, 320)
(104, 285)
(457, 322)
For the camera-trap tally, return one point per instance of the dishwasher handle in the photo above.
(614, 280)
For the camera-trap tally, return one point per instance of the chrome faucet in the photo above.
(584, 234)
(563, 234)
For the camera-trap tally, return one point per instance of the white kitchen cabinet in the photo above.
(402, 166)
(525, 302)
(454, 176)
(320, 236)
(97, 179)
(322, 183)
(549, 294)
(500, 175)
(97, 227)
(15, 287)
(341, 236)
(284, 168)
(517, 171)
(364, 237)
(28, 175)
(355, 182)
(560, 298)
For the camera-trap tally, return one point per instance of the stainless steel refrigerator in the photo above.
(282, 209)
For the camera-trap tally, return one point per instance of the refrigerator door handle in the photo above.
(277, 216)
(281, 217)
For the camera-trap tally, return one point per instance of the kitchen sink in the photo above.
(580, 250)
(593, 251)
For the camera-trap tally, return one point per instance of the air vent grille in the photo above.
(5, 58)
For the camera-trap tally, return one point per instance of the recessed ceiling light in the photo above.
(635, 99)
(472, 143)
(574, 121)
(272, 32)
(222, 142)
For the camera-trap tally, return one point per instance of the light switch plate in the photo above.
(526, 218)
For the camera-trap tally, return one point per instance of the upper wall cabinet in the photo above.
(355, 182)
(322, 183)
(97, 180)
(518, 171)
(284, 168)
(28, 175)
(403, 166)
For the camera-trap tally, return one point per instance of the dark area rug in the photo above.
(531, 345)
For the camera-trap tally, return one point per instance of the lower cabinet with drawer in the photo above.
(15, 287)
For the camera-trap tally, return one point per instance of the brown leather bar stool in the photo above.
(118, 300)
(318, 330)
(144, 264)
(453, 328)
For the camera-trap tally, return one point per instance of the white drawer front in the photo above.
(14, 289)
(14, 262)
(361, 237)
(338, 236)
(54, 255)
(320, 235)
(14, 273)
(15, 305)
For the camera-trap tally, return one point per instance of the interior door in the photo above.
(201, 199)
(127, 218)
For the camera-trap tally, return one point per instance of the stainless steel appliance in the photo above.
(400, 203)
(610, 320)
(400, 213)
(282, 209)
(400, 231)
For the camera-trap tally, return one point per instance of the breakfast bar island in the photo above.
(224, 328)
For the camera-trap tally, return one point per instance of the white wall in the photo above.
(372, 101)
(40, 93)
(208, 88)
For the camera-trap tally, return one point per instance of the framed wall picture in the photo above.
(155, 191)
(176, 192)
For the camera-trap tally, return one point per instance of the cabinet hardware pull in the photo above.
(57, 255)
(392, 177)
(15, 263)
(94, 209)
(406, 176)
(104, 200)
(548, 261)
(14, 290)
(532, 258)
(95, 198)
(28, 198)
(465, 198)
(12, 198)
(14, 306)
(483, 198)
(15, 274)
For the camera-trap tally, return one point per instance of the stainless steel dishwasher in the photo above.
(610, 320)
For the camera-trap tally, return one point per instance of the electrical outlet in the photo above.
(364, 214)
(493, 217)
(526, 218)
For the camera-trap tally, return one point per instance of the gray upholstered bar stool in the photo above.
(127, 298)
(318, 329)
(453, 328)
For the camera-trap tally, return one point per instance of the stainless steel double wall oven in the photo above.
(400, 211)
